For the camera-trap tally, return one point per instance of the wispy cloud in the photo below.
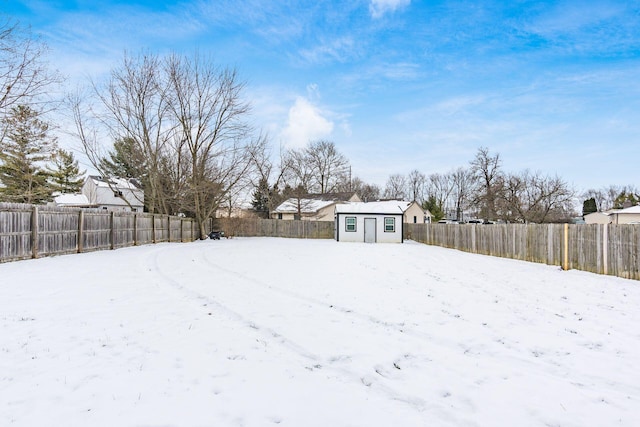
(378, 8)
(335, 50)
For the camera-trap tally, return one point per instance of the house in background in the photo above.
(312, 207)
(598, 218)
(115, 194)
(370, 222)
(630, 215)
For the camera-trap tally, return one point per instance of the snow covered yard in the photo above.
(265, 331)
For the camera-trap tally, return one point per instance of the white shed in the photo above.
(370, 222)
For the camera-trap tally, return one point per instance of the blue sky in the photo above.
(553, 86)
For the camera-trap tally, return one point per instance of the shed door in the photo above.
(370, 230)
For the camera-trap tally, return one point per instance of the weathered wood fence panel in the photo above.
(604, 249)
(258, 227)
(28, 231)
(15, 231)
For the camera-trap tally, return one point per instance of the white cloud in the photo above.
(377, 8)
(305, 122)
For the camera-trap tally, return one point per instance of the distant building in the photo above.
(630, 215)
(115, 194)
(312, 207)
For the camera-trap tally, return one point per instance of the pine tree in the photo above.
(431, 204)
(26, 146)
(126, 160)
(261, 199)
(589, 206)
(66, 176)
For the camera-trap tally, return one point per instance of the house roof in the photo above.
(71, 200)
(631, 210)
(121, 183)
(306, 205)
(385, 207)
(312, 203)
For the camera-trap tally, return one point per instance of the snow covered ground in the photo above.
(264, 331)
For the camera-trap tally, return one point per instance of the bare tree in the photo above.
(532, 197)
(267, 179)
(396, 187)
(488, 176)
(205, 101)
(318, 167)
(462, 181)
(298, 172)
(24, 76)
(133, 107)
(329, 168)
(415, 183)
(439, 188)
(366, 192)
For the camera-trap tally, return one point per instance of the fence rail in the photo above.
(29, 231)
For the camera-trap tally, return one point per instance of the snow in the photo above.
(71, 199)
(387, 206)
(306, 205)
(266, 331)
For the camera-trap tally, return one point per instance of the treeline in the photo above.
(482, 189)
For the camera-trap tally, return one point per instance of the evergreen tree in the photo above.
(431, 204)
(626, 199)
(260, 200)
(589, 206)
(126, 160)
(26, 146)
(65, 177)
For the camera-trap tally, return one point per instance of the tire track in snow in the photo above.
(231, 314)
(399, 328)
(372, 380)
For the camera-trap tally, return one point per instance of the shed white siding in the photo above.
(353, 220)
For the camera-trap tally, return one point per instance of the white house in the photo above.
(313, 207)
(115, 194)
(413, 212)
(626, 216)
(629, 215)
(370, 222)
(598, 218)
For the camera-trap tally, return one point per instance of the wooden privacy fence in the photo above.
(604, 249)
(258, 227)
(28, 231)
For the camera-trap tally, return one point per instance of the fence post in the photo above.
(153, 228)
(34, 232)
(135, 229)
(80, 228)
(605, 248)
(565, 261)
(113, 229)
